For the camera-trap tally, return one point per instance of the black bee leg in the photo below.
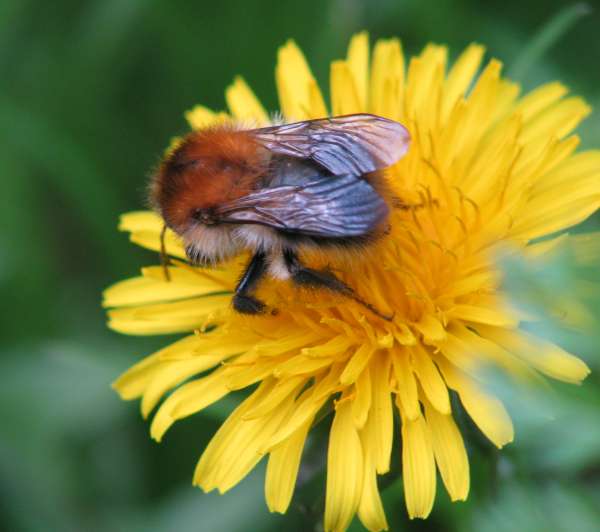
(243, 301)
(309, 278)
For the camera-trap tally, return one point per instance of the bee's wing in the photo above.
(350, 144)
(342, 206)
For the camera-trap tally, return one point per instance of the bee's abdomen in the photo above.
(285, 171)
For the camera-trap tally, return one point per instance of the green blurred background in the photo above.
(90, 94)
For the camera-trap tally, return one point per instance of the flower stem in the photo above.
(547, 36)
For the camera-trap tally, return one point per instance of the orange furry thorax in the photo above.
(208, 168)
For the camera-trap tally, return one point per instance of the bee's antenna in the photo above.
(164, 257)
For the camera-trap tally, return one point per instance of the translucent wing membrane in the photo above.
(336, 207)
(344, 145)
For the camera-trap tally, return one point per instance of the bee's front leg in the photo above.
(243, 301)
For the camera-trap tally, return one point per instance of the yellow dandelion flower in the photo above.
(492, 168)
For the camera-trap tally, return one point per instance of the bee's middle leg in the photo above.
(307, 277)
(303, 276)
(243, 301)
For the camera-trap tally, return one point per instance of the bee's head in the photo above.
(209, 168)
